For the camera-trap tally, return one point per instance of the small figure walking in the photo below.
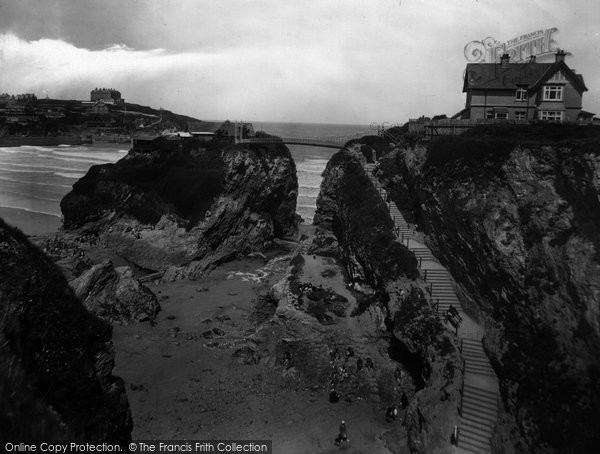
(398, 375)
(390, 414)
(359, 364)
(404, 400)
(349, 352)
(343, 435)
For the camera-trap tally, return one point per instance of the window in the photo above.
(553, 93)
(520, 115)
(521, 94)
(501, 115)
(489, 115)
(552, 115)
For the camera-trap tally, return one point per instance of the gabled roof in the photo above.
(492, 76)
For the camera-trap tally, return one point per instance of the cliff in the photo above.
(187, 209)
(56, 358)
(516, 221)
(354, 225)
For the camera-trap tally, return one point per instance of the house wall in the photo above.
(570, 104)
(479, 101)
(483, 100)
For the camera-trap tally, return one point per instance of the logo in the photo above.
(538, 43)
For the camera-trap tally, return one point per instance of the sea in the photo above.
(34, 179)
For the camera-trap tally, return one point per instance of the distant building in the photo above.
(107, 95)
(523, 91)
(18, 109)
(99, 107)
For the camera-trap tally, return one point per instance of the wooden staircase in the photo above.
(479, 404)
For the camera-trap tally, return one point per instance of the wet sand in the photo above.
(29, 222)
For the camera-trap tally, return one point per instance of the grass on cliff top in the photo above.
(487, 147)
(368, 228)
(542, 132)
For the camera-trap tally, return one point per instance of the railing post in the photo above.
(425, 276)
(420, 259)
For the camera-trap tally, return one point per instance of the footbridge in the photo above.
(324, 142)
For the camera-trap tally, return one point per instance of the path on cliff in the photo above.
(480, 395)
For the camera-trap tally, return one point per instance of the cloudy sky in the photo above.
(331, 61)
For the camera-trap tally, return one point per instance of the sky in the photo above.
(316, 61)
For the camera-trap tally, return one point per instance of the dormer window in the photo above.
(553, 93)
(521, 94)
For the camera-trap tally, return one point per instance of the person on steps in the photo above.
(343, 435)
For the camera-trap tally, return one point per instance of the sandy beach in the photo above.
(32, 224)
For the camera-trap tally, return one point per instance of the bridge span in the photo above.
(336, 143)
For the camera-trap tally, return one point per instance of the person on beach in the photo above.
(404, 400)
(391, 413)
(359, 364)
(398, 375)
(349, 353)
(343, 435)
(333, 396)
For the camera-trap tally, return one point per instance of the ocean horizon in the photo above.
(34, 179)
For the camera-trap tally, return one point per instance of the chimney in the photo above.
(560, 55)
(504, 61)
(532, 59)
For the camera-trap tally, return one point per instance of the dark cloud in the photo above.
(84, 23)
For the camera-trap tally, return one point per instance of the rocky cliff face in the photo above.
(56, 358)
(518, 227)
(187, 209)
(354, 225)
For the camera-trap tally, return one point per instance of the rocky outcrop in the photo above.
(185, 209)
(349, 206)
(354, 224)
(518, 227)
(114, 294)
(56, 358)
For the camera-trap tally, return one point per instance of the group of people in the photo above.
(340, 372)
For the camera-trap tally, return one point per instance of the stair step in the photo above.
(471, 421)
(484, 439)
(468, 348)
(474, 446)
(476, 432)
(473, 341)
(473, 353)
(479, 364)
(481, 361)
(492, 400)
(480, 391)
(477, 402)
(479, 371)
(480, 416)
(474, 362)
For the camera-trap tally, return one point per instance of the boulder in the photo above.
(114, 294)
